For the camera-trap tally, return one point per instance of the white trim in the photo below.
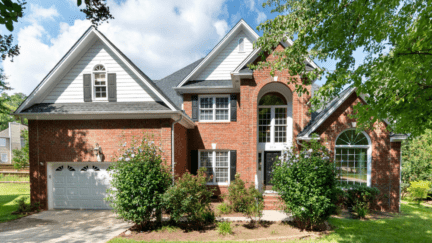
(214, 108)
(93, 85)
(216, 49)
(369, 153)
(214, 165)
(392, 139)
(206, 90)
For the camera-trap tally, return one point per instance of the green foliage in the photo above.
(361, 194)
(307, 184)
(139, 180)
(13, 178)
(419, 190)
(8, 105)
(362, 209)
(96, 11)
(394, 36)
(23, 207)
(21, 156)
(224, 228)
(168, 228)
(417, 160)
(189, 197)
(224, 208)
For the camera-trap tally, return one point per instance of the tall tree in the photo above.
(9, 104)
(394, 35)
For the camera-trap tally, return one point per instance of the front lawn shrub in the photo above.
(361, 194)
(307, 184)
(224, 208)
(419, 190)
(361, 209)
(139, 179)
(248, 201)
(190, 199)
(224, 228)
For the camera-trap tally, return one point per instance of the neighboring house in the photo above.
(11, 139)
(214, 113)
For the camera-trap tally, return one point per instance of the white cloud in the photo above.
(38, 13)
(152, 34)
(261, 16)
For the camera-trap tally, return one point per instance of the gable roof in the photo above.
(168, 83)
(87, 38)
(218, 47)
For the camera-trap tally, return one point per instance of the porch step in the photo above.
(272, 202)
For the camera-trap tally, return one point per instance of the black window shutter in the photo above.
(233, 164)
(194, 162)
(112, 87)
(233, 107)
(194, 107)
(87, 87)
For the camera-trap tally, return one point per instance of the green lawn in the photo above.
(9, 192)
(13, 178)
(414, 225)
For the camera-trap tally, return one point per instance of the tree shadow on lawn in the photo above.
(8, 194)
(414, 225)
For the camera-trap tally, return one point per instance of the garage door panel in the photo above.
(84, 188)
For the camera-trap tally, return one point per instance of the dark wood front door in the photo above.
(269, 159)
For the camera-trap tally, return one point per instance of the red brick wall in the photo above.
(181, 150)
(385, 155)
(72, 141)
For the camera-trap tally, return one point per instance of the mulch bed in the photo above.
(373, 215)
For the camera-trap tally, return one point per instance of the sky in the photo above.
(160, 37)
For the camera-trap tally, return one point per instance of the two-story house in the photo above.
(11, 139)
(214, 113)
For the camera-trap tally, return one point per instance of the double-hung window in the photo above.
(100, 83)
(2, 142)
(214, 108)
(217, 164)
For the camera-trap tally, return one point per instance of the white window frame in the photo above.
(214, 107)
(5, 142)
(242, 45)
(369, 153)
(4, 161)
(273, 123)
(93, 78)
(214, 166)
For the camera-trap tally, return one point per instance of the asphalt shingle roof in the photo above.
(66, 108)
(209, 83)
(168, 83)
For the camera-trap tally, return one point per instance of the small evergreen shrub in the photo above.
(139, 179)
(419, 190)
(224, 228)
(190, 198)
(307, 184)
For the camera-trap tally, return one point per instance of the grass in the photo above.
(13, 178)
(8, 194)
(413, 225)
(168, 228)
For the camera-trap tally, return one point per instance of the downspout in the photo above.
(172, 146)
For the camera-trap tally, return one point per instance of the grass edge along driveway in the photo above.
(9, 193)
(414, 224)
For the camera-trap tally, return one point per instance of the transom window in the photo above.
(217, 164)
(272, 119)
(352, 158)
(100, 83)
(214, 108)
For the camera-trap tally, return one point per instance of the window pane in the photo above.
(221, 159)
(206, 160)
(272, 99)
(280, 134)
(206, 103)
(280, 116)
(353, 167)
(221, 115)
(350, 137)
(222, 102)
(222, 175)
(206, 115)
(3, 142)
(100, 79)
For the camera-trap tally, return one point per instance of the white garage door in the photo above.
(79, 185)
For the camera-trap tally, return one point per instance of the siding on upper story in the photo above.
(129, 87)
(227, 60)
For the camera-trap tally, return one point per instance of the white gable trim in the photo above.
(69, 56)
(218, 47)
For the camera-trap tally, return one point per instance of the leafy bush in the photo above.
(361, 194)
(139, 180)
(21, 156)
(249, 201)
(362, 209)
(224, 208)
(224, 228)
(23, 207)
(419, 190)
(189, 197)
(307, 184)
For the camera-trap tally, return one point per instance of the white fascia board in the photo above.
(308, 138)
(147, 82)
(218, 47)
(399, 138)
(206, 90)
(329, 112)
(247, 60)
(58, 68)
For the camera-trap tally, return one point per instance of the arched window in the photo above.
(352, 157)
(100, 83)
(272, 118)
(241, 44)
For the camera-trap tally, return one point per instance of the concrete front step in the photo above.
(272, 202)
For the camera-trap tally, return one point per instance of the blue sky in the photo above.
(159, 36)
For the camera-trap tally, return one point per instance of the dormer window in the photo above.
(241, 45)
(100, 83)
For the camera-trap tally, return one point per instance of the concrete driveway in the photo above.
(64, 226)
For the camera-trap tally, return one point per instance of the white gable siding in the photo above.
(129, 87)
(227, 60)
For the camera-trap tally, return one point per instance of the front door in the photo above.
(269, 159)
